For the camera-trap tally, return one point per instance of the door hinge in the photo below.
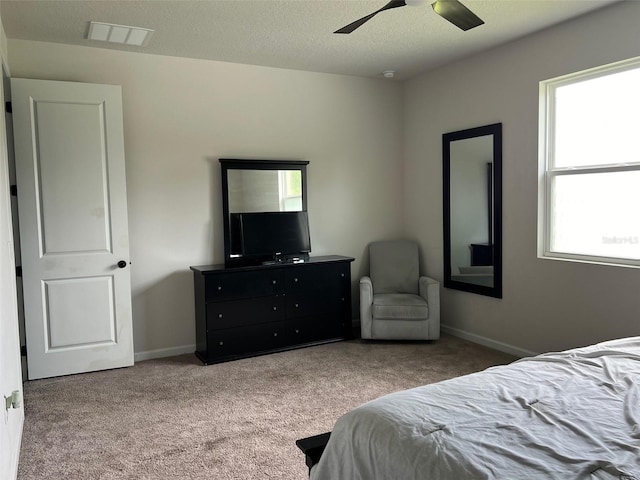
(18, 270)
(13, 189)
(23, 350)
(8, 107)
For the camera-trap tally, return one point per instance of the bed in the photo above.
(566, 415)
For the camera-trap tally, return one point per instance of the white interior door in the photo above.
(12, 417)
(72, 212)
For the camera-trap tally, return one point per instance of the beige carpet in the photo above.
(174, 418)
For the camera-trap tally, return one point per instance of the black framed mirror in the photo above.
(472, 200)
(269, 195)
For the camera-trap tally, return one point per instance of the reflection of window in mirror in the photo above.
(290, 190)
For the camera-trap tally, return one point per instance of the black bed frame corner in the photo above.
(312, 447)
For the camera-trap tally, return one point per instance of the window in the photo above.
(589, 196)
(290, 190)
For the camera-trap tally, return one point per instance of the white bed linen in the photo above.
(567, 415)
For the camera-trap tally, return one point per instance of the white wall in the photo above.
(10, 371)
(181, 115)
(547, 304)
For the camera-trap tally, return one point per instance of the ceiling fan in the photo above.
(451, 10)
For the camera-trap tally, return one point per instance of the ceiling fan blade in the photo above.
(456, 13)
(352, 26)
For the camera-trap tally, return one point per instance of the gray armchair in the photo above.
(396, 303)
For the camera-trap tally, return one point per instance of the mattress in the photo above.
(564, 415)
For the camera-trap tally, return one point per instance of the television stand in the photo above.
(252, 310)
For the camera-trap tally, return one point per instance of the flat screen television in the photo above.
(270, 234)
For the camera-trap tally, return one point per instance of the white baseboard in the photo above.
(487, 342)
(163, 352)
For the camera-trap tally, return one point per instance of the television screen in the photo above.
(273, 233)
(235, 235)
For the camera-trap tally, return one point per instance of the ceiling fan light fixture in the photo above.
(389, 73)
(456, 13)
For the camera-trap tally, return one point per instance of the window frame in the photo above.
(547, 171)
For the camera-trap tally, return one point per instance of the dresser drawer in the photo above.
(243, 285)
(317, 328)
(328, 301)
(255, 338)
(250, 311)
(318, 277)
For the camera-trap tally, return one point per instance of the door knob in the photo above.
(122, 264)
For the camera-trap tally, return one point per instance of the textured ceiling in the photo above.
(296, 34)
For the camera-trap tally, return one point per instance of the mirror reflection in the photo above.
(472, 169)
(471, 201)
(265, 191)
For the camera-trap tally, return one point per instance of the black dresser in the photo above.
(247, 311)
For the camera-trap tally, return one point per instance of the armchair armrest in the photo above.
(366, 300)
(430, 291)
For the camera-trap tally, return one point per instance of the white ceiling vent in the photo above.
(108, 32)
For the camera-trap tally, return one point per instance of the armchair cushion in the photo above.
(399, 306)
(394, 266)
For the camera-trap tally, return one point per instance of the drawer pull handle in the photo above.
(296, 305)
(275, 334)
(219, 315)
(342, 275)
(343, 299)
(219, 288)
(274, 282)
(275, 308)
(297, 331)
(221, 343)
(295, 280)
